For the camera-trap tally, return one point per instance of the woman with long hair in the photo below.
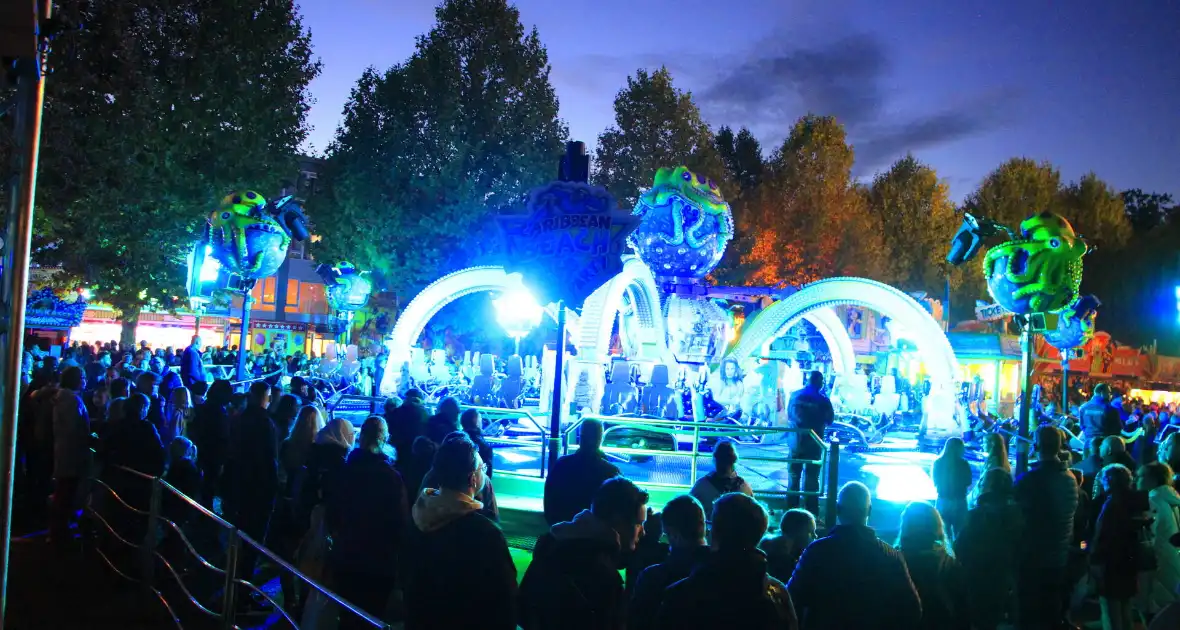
(180, 412)
(952, 480)
(1156, 480)
(988, 552)
(937, 575)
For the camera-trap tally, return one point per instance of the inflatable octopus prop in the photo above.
(250, 237)
(1040, 271)
(685, 224)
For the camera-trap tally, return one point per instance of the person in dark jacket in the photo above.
(1048, 499)
(472, 424)
(796, 531)
(952, 480)
(147, 383)
(1097, 417)
(192, 368)
(71, 450)
(810, 409)
(575, 478)
(683, 519)
(132, 443)
(937, 575)
(367, 517)
(184, 475)
(732, 581)
(252, 473)
(406, 423)
(452, 544)
(851, 565)
(573, 581)
(209, 431)
(1090, 465)
(987, 549)
(325, 463)
(1115, 548)
(445, 421)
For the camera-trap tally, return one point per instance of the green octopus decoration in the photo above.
(1039, 272)
(246, 238)
(700, 192)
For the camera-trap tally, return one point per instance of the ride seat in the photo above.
(440, 369)
(513, 384)
(481, 385)
(619, 395)
(659, 399)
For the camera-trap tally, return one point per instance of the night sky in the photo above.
(1089, 85)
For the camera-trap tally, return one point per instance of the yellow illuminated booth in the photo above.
(992, 361)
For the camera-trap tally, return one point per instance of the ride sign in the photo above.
(569, 242)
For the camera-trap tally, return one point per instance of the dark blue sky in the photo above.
(964, 85)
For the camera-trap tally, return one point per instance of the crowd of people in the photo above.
(396, 516)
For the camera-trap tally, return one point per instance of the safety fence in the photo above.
(197, 564)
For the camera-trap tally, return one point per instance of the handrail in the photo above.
(830, 452)
(149, 554)
(517, 413)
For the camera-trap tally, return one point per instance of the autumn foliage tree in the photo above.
(808, 218)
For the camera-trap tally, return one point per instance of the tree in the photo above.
(808, 219)
(1015, 190)
(156, 111)
(918, 218)
(1146, 211)
(742, 155)
(1096, 211)
(430, 148)
(656, 125)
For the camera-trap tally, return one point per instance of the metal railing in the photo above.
(116, 524)
(829, 460)
(494, 415)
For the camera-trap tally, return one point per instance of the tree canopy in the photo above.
(432, 147)
(656, 125)
(155, 112)
(918, 220)
(808, 219)
(1146, 211)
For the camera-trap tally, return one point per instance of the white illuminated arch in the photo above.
(940, 361)
(827, 323)
(602, 308)
(433, 298)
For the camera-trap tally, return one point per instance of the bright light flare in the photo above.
(517, 312)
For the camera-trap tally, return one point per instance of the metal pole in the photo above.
(1065, 381)
(30, 103)
(555, 410)
(229, 595)
(833, 482)
(247, 303)
(1025, 396)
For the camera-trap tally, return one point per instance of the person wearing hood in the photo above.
(732, 581)
(406, 423)
(324, 463)
(683, 519)
(452, 543)
(573, 481)
(184, 475)
(573, 580)
(71, 449)
(209, 431)
(1155, 479)
(367, 517)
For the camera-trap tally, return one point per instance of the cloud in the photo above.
(845, 78)
(768, 86)
(841, 79)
